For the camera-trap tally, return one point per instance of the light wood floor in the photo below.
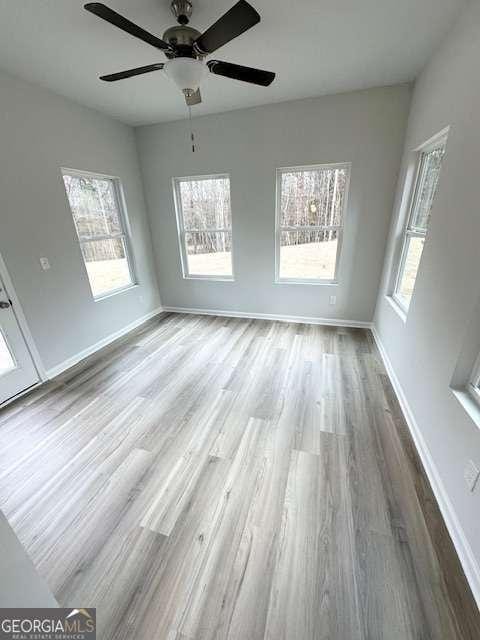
(228, 478)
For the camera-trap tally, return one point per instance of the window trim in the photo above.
(435, 142)
(126, 236)
(181, 228)
(339, 228)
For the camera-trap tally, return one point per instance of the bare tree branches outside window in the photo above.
(429, 164)
(204, 215)
(310, 221)
(98, 221)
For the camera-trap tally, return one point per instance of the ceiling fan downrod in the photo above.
(182, 10)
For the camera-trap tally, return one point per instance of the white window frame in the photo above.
(437, 141)
(339, 228)
(181, 227)
(125, 233)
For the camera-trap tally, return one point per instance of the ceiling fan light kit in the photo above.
(186, 73)
(186, 48)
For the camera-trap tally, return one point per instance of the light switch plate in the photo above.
(45, 264)
(471, 475)
(333, 300)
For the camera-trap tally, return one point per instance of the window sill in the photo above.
(469, 403)
(397, 308)
(328, 283)
(210, 278)
(110, 294)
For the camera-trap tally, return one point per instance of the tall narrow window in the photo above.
(429, 164)
(95, 202)
(204, 221)
(309, 222)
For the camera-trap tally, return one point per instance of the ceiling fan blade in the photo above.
(238, 72)
(102, 11)
(132, 72)
(238, 19)
(196, 98)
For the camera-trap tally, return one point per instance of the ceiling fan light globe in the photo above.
(186, 73)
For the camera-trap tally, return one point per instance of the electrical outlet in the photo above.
(471, 475)
(333, 300)
(45, 264)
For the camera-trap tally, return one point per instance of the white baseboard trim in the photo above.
(78, 357)
(462, 546)
(272, 316)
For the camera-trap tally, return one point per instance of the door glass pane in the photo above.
(107, 265)
(7, 363)
(427, 187)
(314, 197)
(209, 253)
(413, 255)
(308, 255)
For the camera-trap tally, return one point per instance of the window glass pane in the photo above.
(107, 265)
(209, 253)
(427, 187)
(205, 203)
(308, 254)
(413, 254)
(94, 206)
(7, 363)
(313, 197)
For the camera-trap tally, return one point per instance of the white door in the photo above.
(17, 370)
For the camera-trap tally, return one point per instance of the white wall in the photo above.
(39, 133)
(365, 128)
(424, 351)
(20, 586)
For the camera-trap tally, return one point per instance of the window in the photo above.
(311, 204)
(204, 221)
(96, 205)
(429, 164)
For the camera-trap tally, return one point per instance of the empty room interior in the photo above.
(240, 320)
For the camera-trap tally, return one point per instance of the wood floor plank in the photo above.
(233, 479)
(205, 616)
(392, 609)
(314, 593)
(247, 593)
(176, 489)
(171, 581)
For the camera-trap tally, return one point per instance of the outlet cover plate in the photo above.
(45, 264)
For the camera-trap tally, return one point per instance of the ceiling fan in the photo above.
(186, 48)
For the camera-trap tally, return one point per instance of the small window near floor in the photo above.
(311, 203)
(97, 208)
(204, 220)
(429, 164)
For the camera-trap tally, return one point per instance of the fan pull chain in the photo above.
(192, 137)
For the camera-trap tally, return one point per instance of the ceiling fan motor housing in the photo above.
(181, 38)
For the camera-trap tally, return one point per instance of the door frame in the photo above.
(23, 325)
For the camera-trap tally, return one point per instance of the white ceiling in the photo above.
(316, 47)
